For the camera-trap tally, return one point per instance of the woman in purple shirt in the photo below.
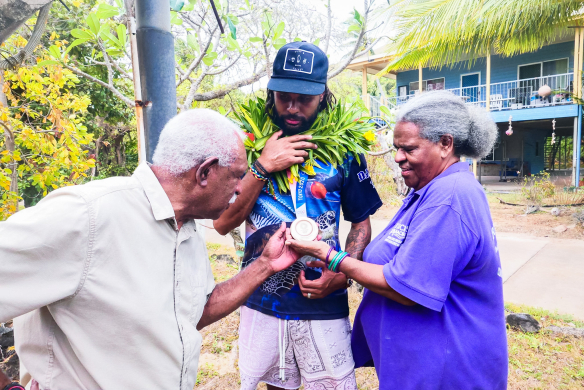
(432, 314)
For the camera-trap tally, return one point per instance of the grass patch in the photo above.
(545, 317)
(536, 361)
(212, 247)
(205, 374)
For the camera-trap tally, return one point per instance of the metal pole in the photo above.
(156, 62)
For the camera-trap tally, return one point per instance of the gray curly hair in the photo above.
(439, 113)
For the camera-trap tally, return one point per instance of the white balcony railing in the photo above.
(510, 95)
(519, 94)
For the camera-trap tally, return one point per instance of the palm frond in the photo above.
(436, 33)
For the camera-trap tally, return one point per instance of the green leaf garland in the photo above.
(336, 131)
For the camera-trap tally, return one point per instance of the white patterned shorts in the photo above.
(317, 352)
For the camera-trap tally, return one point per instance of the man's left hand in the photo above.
(278, 255)
(328, 282)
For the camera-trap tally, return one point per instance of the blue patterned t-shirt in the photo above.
(347, 187)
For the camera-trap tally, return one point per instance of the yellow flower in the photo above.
(309, 168)
(369, 136)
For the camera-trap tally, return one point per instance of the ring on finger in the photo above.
(308, 295)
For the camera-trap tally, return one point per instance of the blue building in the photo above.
(546, 127)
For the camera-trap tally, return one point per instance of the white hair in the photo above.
(441, 112)
(193, 136)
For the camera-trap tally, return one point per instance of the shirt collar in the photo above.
(461, 166)
(161, 206)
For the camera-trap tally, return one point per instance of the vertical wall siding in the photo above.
(502, 68)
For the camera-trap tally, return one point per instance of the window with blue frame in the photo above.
(470, 87)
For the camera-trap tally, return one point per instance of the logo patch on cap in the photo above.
(298, 60)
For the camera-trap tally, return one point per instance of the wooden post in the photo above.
(488, 81)
(487, 98)
(576, 47)
(580, 60)
(420, 76)
(137, 90)
(364, 87)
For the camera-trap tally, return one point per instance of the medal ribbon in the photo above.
(297, 191)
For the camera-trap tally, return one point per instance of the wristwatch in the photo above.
(13, 386)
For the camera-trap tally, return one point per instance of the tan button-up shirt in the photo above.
(108, 292)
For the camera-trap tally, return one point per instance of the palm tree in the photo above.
(436, 33)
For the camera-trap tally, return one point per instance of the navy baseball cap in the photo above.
(299, 67)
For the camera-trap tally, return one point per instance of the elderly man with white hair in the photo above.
(109, 282)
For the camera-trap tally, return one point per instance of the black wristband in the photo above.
(13, 386)
(261, 168)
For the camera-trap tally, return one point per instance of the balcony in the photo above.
(510, 95)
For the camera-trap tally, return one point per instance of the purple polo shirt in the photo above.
(440, 251)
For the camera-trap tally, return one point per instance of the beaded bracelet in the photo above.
(257, 174)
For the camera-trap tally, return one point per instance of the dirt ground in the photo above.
(536, 361)
(512, 219)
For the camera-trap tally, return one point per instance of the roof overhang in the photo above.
(372, 65)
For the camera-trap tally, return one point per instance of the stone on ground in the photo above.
(524, 322)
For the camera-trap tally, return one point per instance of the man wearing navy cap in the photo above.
(295, 328)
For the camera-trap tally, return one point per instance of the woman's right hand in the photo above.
(318, 249)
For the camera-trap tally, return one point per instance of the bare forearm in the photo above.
(238, 211)
(231, 294)
(371, 277)
(358, 239)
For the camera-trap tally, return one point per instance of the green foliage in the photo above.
(109, 119)
(45, 119)
(336, 132)
(537, 188)
(357, 23)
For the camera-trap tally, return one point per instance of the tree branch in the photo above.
(113, 89)
(366, 50)
(193, 90)
(351, 56)
(110, 76)
(225, 68)
(267, 55)
(328, 27)
(122, 72)
(197, 61)
(201, 97)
